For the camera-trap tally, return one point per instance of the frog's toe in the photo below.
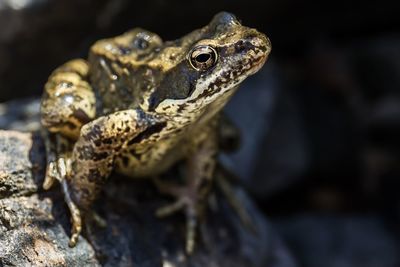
(50, 177)
(98, 220)
(191, 227)
(56, 170)
(170, 209)
(76, 221)
(76, 218)
(76, 228)
(74, 239)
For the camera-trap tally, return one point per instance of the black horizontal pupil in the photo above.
(141, 43)
(202, 58)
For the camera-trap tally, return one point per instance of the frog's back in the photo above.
(119, 73)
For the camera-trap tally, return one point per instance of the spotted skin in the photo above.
(67, 104)
(68, 101)
(139, 105)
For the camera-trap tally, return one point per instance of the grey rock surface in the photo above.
(31, 230)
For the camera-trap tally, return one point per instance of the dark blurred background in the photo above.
(320, 122)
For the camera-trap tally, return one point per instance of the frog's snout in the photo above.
(257, 46)
(259, 41)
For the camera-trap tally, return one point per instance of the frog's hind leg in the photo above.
(191, 197)
(68, 103)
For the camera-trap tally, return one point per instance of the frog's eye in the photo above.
(140, 43)
(203, 57)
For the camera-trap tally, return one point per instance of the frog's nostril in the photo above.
(241, 46)
(124, 50)
(260, 41)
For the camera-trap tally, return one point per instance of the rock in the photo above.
(337, 241)
(35, 228)
(16, 176)
(32, 230)
(31, 236)
(273, 153)
(380, 97)
(20, 115)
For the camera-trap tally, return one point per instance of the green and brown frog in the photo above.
(140, 105)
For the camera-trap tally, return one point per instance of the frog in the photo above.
(139, 106)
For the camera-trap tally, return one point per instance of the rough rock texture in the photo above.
(20, 115)
(33, 229)
(34, 224)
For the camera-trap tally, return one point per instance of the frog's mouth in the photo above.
(257, 64)
(250, 65)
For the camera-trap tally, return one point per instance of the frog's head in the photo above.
(209, 65)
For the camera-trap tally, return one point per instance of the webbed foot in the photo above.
(56, 170)
(188, 200)
(58, 151)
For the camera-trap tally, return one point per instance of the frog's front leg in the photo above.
(68, 103)
(191, 197)
(93, 156)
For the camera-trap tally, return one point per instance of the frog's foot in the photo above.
(187, 200)
(58, 161)
(56, 170)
